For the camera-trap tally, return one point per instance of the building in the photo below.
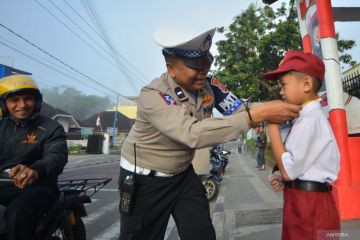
(104, 122)
(62, 117)
(351, 81)
(7, 71)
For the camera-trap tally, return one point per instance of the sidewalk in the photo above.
(248, 209)
(81, 160)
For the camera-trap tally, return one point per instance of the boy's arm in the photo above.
(278, 148)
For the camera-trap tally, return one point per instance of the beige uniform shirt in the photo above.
(201, 161)
(168, 128)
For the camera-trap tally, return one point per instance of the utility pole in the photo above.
(115, 120)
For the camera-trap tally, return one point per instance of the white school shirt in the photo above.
(311, 150)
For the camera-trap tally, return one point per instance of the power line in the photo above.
(118, 65)
(34, 54)
(83, 19)
(60, 69)
(97, 21)
(47, 65)
(74, 33)
(77, 71)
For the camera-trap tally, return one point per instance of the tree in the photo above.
(255, 43)
(74, 102)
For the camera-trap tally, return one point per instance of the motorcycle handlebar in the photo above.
(4, 175)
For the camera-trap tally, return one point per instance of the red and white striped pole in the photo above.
(306, 42)
(334, 88)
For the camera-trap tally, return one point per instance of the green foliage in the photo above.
(255, 43)
(75, 149)
(74, 102)
(269, 155)
(343, 46)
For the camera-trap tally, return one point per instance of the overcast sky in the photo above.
(130, 25)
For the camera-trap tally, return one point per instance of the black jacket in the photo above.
(39, 144)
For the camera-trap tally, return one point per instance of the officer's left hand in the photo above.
(23, 175)
(275, 111)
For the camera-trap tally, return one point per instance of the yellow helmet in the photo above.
(16, 84)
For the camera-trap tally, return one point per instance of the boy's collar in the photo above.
(310, 101)
(309, 105)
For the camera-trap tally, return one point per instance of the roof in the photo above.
(51, 111)
(128, 110)
(7, 70)
(55, 113)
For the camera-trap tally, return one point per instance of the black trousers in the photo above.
(24, 209)
(183, 196)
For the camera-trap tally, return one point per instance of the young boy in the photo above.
(309, 159)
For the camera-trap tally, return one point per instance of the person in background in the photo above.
(173, 119)
(260, 143)
(33, 148)
(240, 145)
(309, 160)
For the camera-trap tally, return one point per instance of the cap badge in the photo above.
(206, 44)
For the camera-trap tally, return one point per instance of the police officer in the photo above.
(34, 149)
(173, 119)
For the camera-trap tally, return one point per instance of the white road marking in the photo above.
(110, 233)
(94, 216)
(108, 190)
(170, 226)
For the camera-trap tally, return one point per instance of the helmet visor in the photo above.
(25, 91)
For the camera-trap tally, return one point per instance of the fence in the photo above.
(351, 84)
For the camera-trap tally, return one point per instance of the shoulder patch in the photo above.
(225, 101)
(216, 83)
(168, 99)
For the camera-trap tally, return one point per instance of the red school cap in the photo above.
(307, 63)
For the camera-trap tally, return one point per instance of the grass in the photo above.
(75, 149)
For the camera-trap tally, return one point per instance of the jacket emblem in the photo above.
(30, 138)
(168, 99)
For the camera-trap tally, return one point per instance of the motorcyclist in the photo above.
(35, 148)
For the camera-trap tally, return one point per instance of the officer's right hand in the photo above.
(275, 112)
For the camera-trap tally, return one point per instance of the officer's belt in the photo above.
(311, 186)
(125, 164)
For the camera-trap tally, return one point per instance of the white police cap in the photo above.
(185, 42)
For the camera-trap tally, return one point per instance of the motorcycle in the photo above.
(218, 157)
(211, 186)
(212, 180)
(64, 220)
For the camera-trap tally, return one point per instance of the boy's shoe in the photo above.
(262, 167)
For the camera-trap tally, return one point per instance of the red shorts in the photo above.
(309, 215)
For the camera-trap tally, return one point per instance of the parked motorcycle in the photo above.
(64, 220)
(219, 156)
